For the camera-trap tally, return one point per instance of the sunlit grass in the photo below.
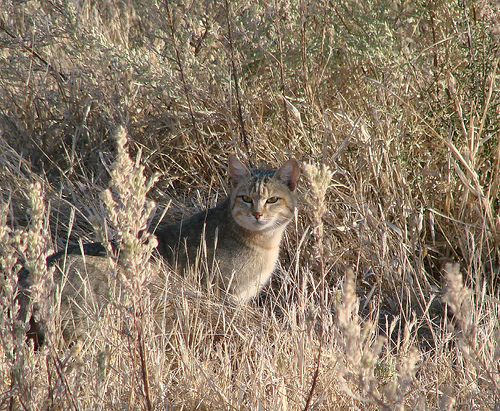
(386, 293)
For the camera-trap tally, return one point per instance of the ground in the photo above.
(386, 295)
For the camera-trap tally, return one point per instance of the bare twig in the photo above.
(178, 60)
(144, 368)
(282, 72)
(236, 83)
(315, 379)
(33, 52)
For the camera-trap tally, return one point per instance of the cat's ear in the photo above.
(237, 171)
(289, 174)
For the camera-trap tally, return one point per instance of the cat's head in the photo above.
(263, 199)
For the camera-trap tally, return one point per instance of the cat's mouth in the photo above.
(261, 224)
(258, 222)
(254, 224)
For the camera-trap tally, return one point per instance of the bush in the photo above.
(392, 109)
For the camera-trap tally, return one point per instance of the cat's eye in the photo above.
(272, 200)
(246, 199)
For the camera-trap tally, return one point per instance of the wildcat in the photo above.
(232, 248)
(242, 234)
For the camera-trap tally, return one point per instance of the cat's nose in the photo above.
(257, 215)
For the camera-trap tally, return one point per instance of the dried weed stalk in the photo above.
(319, 181)
(362, 350)
(29, 247)
(129, 210)
(473, 332)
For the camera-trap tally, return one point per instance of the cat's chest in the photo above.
(268, 265)
(265, 261)
(252, 273)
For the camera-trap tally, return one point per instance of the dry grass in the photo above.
(393, 107)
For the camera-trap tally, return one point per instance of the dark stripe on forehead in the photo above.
(257, 172)
(258, 184)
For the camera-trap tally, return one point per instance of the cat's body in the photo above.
(231, 248)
